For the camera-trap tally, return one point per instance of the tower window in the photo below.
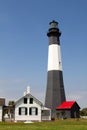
(31, 100)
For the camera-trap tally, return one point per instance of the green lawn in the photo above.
(55, 125)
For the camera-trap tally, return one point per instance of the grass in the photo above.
(55, 125)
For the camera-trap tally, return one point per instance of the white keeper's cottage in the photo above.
(28, 108)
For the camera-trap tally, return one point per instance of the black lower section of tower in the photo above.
(55, 93)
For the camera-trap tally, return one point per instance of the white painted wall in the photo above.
(0, 113)
(54, 57)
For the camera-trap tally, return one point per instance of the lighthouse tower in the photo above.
(55, 93)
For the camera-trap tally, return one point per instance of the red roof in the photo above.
(66, 105)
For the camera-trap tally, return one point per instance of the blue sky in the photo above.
(24, 46)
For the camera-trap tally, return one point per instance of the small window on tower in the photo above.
(31, 100)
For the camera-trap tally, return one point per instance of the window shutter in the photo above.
(19, 111)
(29, 111)
(25, 111)
(36, 111)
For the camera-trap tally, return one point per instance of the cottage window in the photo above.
(25, 100)
(22, 111)
(33, 111)
(31, 100)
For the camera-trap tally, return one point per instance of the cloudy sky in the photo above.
(24, 47)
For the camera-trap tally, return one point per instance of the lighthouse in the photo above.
(55, 93)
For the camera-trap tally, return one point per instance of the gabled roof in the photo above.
(31, 97)
(66, 105)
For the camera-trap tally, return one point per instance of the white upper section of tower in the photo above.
(54, 57)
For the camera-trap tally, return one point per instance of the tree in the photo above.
(11, 103)
(83, 112)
